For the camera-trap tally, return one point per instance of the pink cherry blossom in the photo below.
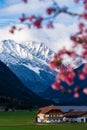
(82, 76)
(85, 90)
(58, 79)
(69, 81)
(71, 75)
(84, 15)
(56, 86)
(80, 25)
(85, 6)
(84, 70)
(76, 95)
(76, 1)
(52, 65)
(77, 89)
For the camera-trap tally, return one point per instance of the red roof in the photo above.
(48, 108)
(74, 114)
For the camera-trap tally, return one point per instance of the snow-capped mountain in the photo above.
(27, 50)
(29, 61)
(75, 62)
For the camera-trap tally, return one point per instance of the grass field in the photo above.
(24, 120)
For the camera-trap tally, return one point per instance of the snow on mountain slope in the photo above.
(27, 50)
(12, 52)
(29, 61)
(35, 69)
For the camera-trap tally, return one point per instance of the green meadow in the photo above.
(25, 120)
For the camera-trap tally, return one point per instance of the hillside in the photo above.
(10, 86)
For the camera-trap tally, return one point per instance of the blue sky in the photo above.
(11, 10)
(6, 17)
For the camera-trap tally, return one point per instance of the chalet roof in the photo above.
(48, 108)
(74, 114)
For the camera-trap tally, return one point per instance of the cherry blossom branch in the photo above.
(66, 73)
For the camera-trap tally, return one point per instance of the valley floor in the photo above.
(25, 120)
(45, 127)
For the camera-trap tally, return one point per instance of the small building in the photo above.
(50, 114)
(75, 116)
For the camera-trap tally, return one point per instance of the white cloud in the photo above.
(53, 38)
(18, 8)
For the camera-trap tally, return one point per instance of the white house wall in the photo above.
(40, 117)
(79, 119)
(70, 119)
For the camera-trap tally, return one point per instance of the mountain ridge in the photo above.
(27, 50)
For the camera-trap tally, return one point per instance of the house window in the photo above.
(54, 120)
(51, 115)
(60, 115)
(82, 120)
(46, 115)
(86, 119)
